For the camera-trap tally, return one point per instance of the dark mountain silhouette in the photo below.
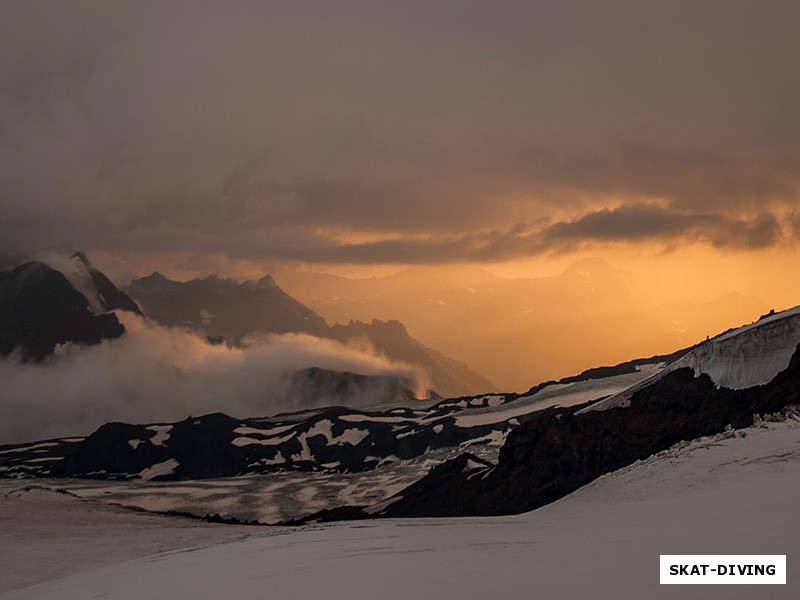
(223, 307)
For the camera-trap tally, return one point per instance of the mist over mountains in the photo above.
(519, 331)
(81, 352)
(243, 312)
(491, 454)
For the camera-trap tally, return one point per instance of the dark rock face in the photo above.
(40, 309)
(559, 450)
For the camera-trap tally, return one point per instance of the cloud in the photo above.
(649, 222)
(627, 223)
(157, 374)
(187, 126)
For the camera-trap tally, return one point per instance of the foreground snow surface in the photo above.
(736, 493)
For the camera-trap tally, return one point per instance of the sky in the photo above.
(397, 132)
(364, 137)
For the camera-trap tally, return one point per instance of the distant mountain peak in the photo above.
(82, 258)
(593, 265)
(238, 309)
(101, 293)
(267, 282)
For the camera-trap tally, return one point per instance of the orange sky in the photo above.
(361, 138)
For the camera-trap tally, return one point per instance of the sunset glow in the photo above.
(424, 143)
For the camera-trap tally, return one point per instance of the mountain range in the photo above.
(43, 308)
(481, 455)
(517, 331)
(226, 309)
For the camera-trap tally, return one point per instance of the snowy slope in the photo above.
(734, 493)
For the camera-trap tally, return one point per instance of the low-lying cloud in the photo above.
(156, 374)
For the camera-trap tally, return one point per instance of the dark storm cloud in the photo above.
(246, 128)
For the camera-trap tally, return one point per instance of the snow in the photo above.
(46, 535)
(400, 436)
(135, 443)
(351, 435)
(33, 448)
(494, 438)
(472, 465)
(742, 358)
(77, 273)
(162, 434)
(246, 441)
(157, 470)
(244, 430)
(565, 394)
(735, 493)
(274, 440)
(268, 498)
(356, 418)
(749, 356)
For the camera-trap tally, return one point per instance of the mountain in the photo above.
(446, 376)
(40, 309)
(588, 312)
(325, 439)
(335, 439)
(482, 455)
(735, 492)
(102, 294)
(720, 384)
(223, 308)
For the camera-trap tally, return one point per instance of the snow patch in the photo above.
(162, 434)
(472, 465)
(159, 469)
